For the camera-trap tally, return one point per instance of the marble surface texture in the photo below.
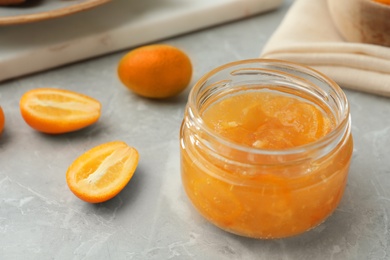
(152, 217)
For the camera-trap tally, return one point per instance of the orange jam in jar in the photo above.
(265, 147)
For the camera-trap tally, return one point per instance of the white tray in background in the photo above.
(120, 24)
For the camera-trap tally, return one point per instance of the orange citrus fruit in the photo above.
(155, 71)
(102, 172)
(56, 111)
(2, 120)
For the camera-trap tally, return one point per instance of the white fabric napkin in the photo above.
(308, 36)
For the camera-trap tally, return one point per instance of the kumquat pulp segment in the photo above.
(57, 111)
(102, 172)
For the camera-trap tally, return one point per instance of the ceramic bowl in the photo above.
(365, 21)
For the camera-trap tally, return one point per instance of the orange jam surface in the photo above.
(268, 121)
(276, 200)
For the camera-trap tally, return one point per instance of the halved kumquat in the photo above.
(102, 172)
(57, 111)
(2, 120)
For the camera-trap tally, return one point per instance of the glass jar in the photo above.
(263, 193)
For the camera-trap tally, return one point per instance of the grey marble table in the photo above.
(152, 217)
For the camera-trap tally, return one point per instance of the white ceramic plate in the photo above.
(37, 10)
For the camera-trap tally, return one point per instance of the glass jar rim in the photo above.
(342, 126)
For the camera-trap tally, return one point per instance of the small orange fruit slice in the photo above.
(57, 111)
(155, 71)
(102, 172)
(2, 120)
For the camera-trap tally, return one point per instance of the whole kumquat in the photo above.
(155, 71)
